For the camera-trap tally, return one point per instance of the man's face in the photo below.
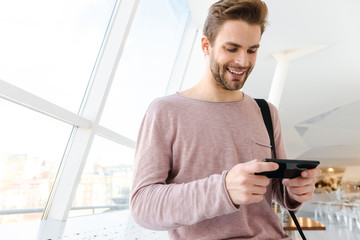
(233, 54)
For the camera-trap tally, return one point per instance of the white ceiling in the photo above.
(320, 104)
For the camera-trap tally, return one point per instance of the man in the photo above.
(198, 150)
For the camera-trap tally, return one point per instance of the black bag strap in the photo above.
(265, 112)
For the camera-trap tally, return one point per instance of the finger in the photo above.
(302, 190)
(256, 166)
(302, 198)
(311, 173)
(258, 190)
(253, 189)
(298, 182)
(252, 180)
(258, 180)
(252, 198)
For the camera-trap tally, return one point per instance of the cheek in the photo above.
(224, 58)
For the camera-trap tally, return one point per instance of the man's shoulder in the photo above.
(272, 107)
(173, 98)
(164, 104)
(165, 101)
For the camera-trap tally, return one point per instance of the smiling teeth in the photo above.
(235, 72)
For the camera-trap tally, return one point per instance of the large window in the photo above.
(146, 64)
(48, 49)
(29, 157)
(142, 75)
(106, 180)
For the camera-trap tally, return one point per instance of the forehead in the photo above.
(240, 32)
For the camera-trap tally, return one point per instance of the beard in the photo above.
(219, 73)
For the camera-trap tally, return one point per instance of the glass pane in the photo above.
(49, 47)
(32, 146)
(146, 64)
(105, 182)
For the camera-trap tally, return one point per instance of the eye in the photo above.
(231, 49)
(251, 51)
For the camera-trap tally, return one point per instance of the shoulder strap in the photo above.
(265, 112)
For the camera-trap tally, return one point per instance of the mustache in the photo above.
(241, 68)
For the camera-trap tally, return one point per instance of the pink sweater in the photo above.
(184, 150)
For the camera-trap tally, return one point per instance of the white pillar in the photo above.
(278, 82)
(283, 60)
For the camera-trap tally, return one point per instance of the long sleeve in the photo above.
(161, 206)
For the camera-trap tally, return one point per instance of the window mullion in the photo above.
(183, 57)
(116, 137)
(31, 101)
(69, 175)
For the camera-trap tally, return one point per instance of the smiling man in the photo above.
(198, 150)
(230, 60)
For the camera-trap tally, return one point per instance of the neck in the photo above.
(208, 90)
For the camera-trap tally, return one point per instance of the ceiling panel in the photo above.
(317, 83)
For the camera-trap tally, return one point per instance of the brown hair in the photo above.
(250, 11)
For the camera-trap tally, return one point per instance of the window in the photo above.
(146, 64)
(142, 75)
(30, 155)
(106, 179)
(48, 49)
(48, 53)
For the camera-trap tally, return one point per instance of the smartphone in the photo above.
(289, 168)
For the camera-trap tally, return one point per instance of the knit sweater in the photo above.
(185, 148)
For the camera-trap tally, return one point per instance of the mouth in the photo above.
(236, 73)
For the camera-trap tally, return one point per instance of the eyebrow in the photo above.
(238, 45)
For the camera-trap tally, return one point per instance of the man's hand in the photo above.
(301, 189)
(243, 186)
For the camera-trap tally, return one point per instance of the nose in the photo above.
(242, 59)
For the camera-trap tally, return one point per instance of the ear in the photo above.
(205, 45)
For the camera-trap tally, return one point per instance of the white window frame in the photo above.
(86, 122)
(69, 175)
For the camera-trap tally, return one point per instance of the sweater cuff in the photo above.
(292, 206)
(229, 201)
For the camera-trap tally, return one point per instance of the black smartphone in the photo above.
(289, 168)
